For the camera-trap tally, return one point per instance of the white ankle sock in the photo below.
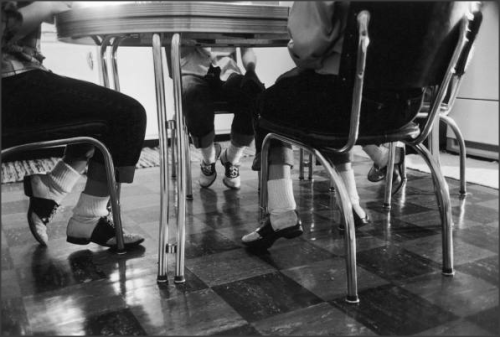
(89, 206)
(56, 184)
(86, 215)
(281, 203)
(350, 184)
(208, 154)
(379, 154)
(234, 153)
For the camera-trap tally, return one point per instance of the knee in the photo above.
(134, 114)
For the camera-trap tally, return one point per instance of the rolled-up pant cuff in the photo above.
(280, 153)
(205, 141)
(123, 174)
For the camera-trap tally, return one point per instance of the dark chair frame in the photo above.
(411, 135)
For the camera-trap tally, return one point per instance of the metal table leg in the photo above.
(162, 130)
(181, 158)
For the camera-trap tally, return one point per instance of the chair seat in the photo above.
(331, 140)
(45, 132)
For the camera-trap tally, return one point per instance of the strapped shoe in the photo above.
(232, 173)
(265, 236)
(40, 213)
(103, 233)
(377, 174)
(358, 221)
(208, 172)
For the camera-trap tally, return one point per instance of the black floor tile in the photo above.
(264, 296)
(486, 269)
(391, 310)
(395, 263)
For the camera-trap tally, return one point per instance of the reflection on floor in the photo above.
(298, 288)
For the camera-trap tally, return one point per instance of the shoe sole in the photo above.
(211, 183)
(83, 241)
(267, 243)
(32, 227)
(28, 191)
(231, 187)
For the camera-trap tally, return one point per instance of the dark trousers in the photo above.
(199, 96)
(36, 98)
(319, 103)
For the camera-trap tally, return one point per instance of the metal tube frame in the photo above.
(462, 151)
(162, 130)
(110, 175)
(181, 158)
(444, 206)
(344, 203)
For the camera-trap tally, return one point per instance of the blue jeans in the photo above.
(200, 93)
(36, 98)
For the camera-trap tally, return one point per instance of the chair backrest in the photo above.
(411, 43)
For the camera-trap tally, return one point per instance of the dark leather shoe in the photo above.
(267, 236)
(377, 174)
(40, 213)
(358, 221)
(103, 234)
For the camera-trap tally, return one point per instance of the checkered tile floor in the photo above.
(297, 288)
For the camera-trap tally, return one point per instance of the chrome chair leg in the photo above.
(462, 149)
(389, 175)
(310, 166)
(301, 164)
(444, 205)
(189, 179)
(344, 201)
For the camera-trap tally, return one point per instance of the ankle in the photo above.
(208, 154)
(284, 219)
(89, 206)
(62, 178)
(359, 210)
(234, 153)
(42, 187)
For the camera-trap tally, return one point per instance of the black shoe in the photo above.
(358, 221)
(377, 174)
(267, 235)
(40, 213)
(104, 233)
(256, 162)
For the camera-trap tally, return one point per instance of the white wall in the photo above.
(476, 110)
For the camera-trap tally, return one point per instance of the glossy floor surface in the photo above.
(296, 288)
